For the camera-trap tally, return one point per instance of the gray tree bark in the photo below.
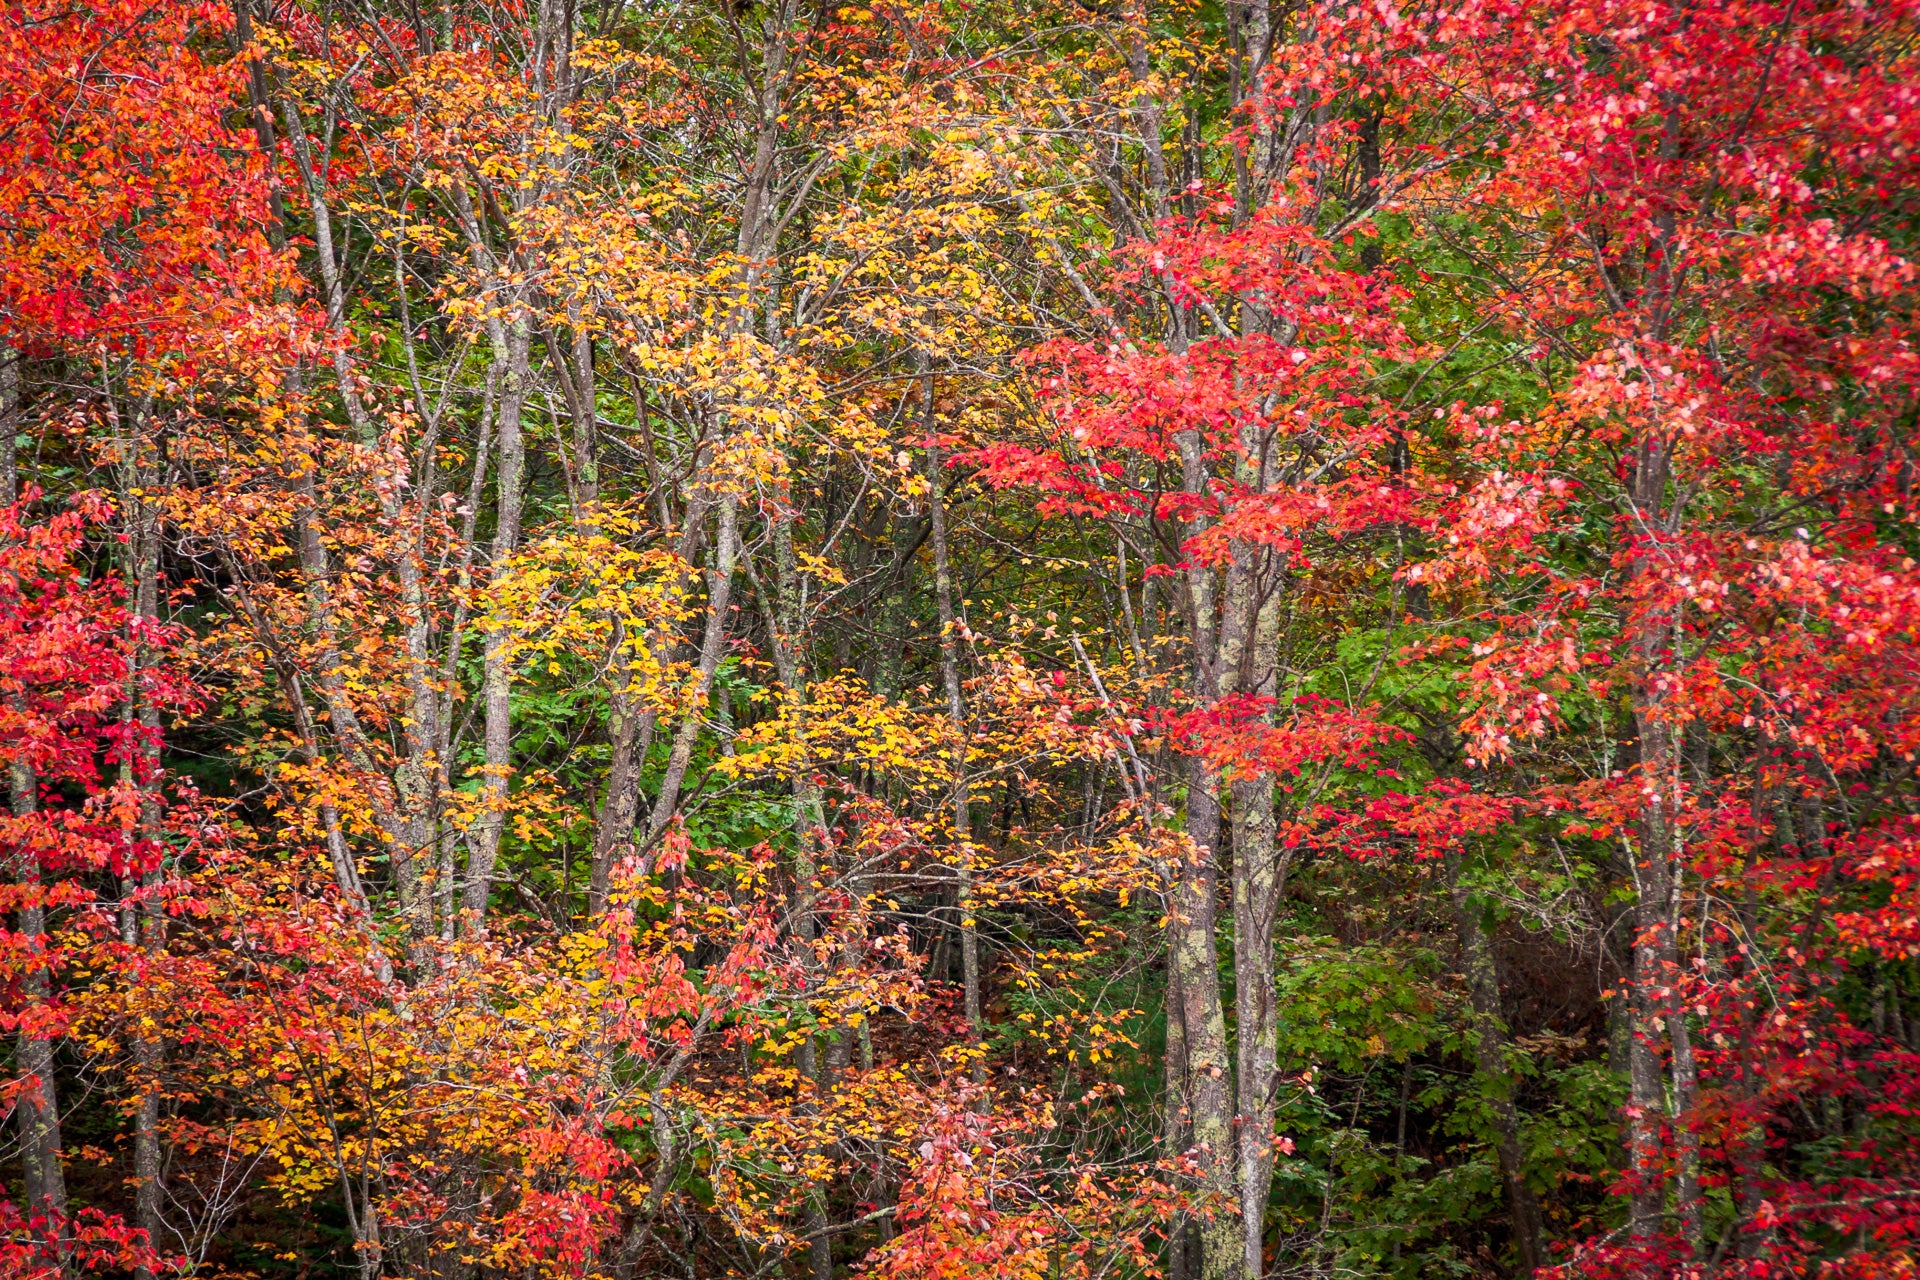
(957, 719)
(41, 1155)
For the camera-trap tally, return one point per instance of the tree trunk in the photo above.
(42, 1160)
(38, 1106)
(1191, 939)
(630, 732)
(630, 738)
(1490, 1049)
(143, 922)
(820, 1064)
(957, 720)
(1646, 1082)
(713, 646)
(1259, 875)
(1656, 890)
(1174, 1138)
(1192, 933)
(513, 341)
(12, 408)
(1685, 1086)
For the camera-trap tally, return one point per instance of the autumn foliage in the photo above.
(934, 641)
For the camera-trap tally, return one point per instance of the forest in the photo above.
(959, 639)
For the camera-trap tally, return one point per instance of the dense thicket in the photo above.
(1226, 640)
